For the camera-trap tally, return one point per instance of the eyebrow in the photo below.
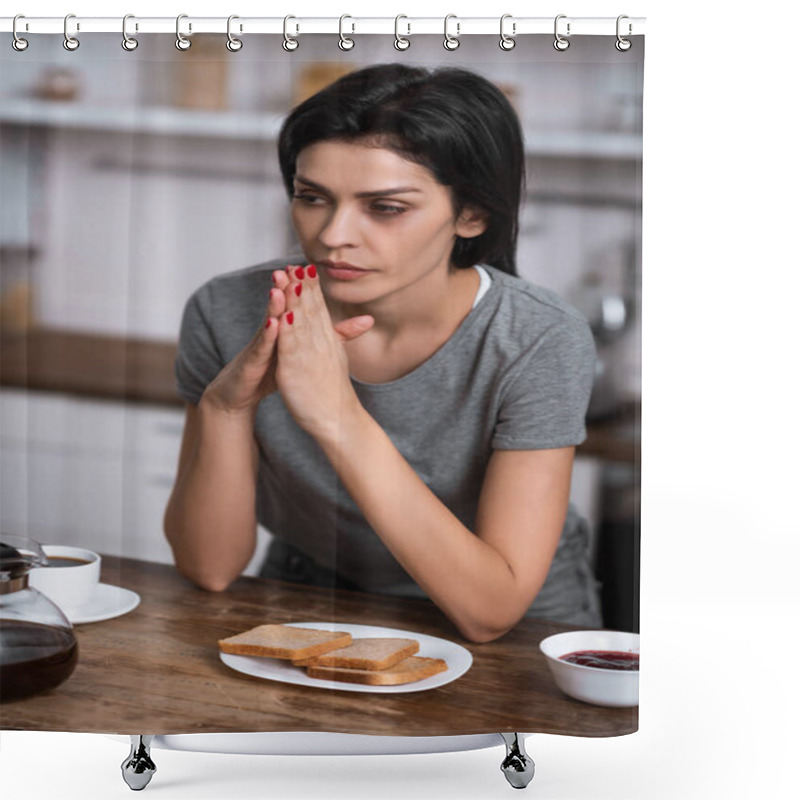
(375, 193)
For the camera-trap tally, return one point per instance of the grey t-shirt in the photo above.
(515, 375)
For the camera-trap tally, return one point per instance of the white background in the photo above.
(720, 597)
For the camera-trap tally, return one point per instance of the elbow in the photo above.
(206, 575)
(481, 628)
(479, 633)
(208, 581)
(213, 585)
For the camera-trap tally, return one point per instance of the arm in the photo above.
(483, 581)
(210, 520)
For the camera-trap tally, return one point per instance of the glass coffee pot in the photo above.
(38, 650)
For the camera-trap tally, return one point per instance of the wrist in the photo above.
(334, 434)
(215, 415)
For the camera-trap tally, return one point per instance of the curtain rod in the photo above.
(298, 25)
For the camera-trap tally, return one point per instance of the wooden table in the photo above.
(157, 670)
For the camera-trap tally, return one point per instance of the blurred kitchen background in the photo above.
(130, 178)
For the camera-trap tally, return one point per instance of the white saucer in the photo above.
(106, 602)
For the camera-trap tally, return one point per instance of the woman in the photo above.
(395, 405)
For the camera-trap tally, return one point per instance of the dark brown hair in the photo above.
(454, 122)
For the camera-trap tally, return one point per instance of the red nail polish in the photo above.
(299, 273)
(269, 322)
(290, 317)
(273, 278)
(312, 271)
(298, 288)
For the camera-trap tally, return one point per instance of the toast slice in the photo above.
(284, 641)
(369, 653)
(409, 670)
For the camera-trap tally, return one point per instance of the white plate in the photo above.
(458, 659)
(106, 602)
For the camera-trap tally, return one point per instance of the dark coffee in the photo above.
(34, 658)
(66, 561)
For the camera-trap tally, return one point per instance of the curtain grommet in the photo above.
(129, 43)
(181, 42)
(507, 42)
(561, 43)
(622, 44)
(451, 42)
(290, 44)
(345, 43)
(233, 44)
(17, 42)
(400, 42)
(70, 42)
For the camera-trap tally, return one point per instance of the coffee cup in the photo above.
(71, 577)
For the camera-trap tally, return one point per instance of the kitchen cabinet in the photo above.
(90, 473)
(142, 232)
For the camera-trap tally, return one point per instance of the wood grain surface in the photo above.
(157, 670)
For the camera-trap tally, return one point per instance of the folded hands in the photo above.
(297, 351)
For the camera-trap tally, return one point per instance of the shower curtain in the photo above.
(134, 176)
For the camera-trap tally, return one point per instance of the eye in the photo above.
(387, 210)
(306, 198)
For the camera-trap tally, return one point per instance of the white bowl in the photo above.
(602, 687)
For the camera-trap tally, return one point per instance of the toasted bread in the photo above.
(284, 641)
(373, 654)
(409, 670)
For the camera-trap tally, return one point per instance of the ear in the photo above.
(471, 222)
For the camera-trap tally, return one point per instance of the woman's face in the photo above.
(373, 222)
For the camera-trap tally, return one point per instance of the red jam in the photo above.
(603, 659)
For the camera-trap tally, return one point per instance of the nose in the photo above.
(340, 228)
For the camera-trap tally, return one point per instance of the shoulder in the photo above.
(529, 314)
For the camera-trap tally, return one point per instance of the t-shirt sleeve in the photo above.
(198, 360)
(546, 400)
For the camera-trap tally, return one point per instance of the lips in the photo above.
(339, 265)
(341, 270)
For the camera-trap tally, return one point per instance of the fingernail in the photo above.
(312, 271)
(290, 317)
(273, 278)
(299, 273)
(272, 293)
(269, 322)
(298, 288)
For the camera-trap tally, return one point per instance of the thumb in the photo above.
(353, 328)
(262, 345)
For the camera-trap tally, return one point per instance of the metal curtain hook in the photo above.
(289, 43)
(344, 42)
(561, 43)
(18, 43)
(507, 42)
(233, 44)
(623, 44)
(181, 42)
(451, 42)
(401, 43)
(70, 42)
(128, 42)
